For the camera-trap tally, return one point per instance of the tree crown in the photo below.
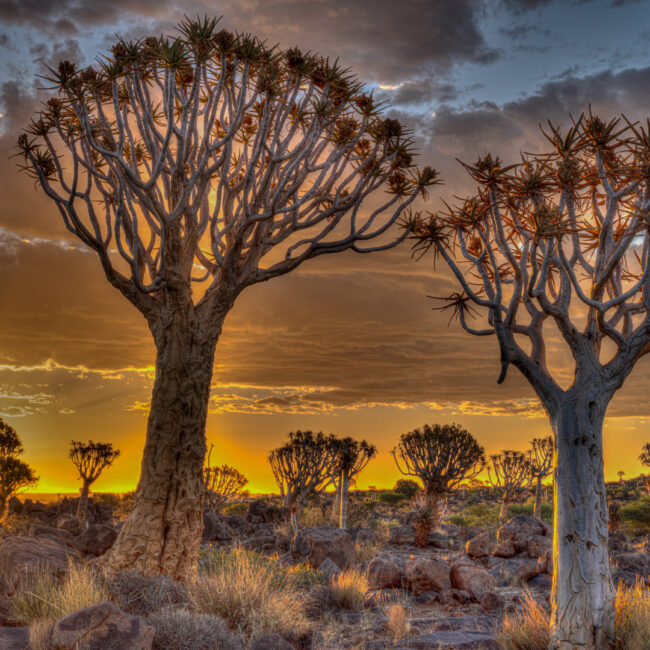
(91, 458)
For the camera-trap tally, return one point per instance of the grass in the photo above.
(396, 622)
(348, 589)
(140, 595)
(365, 552)
(527, 629)
(253, 594)
(632, 617)
(637, 514)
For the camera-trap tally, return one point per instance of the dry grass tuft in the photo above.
(182, 629)
(632, 617)
(348, 589)
(527, 629)
(365, 552)
(254, 595)
(396, 623)
(141, 595)
(40, 635)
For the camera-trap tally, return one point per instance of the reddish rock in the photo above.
(479, 546)
(505, 549)
(520, 529)
(312, 545)
(69, 523)
(383, 572)
(539, 546)
(492, 601)
(96, 539)
(471, 578)
(424, 574)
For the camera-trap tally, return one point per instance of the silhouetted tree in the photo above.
(540, 459)
(510, 474)
(407, 486)
(561, 240)
(350, 458)
(90, 458)
(644, 457)
(301, 467)
(441, 456)
(194, 167)
(221, 483)
(15, 474)
(620, 475)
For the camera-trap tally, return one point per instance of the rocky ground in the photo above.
(453, 593)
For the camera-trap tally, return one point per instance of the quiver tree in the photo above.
(301, 467)
(15, 474)
(559, 243)
(510, 473)
(350, 458)
(91, 459)
(220, 484)
(441, 456)
(644, 456)
(540, 461)
(195, 167)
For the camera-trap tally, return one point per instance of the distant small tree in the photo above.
(90, 458)
(510, 473)
(644, 457)
(540, 458)
(350, 458)
(441, 456)
(301, 467)
(222, 483)
(15, 474)
(407, 486)
(620, 475)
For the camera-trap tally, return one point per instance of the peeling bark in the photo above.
(82, 506)
(343, 518)
(538, 498)
(583, 609)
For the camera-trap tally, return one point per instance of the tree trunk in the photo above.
(583, 596)
(343, 519)
(82, 506)
(433, 503)
(163, 532)
(3, 506)
(503, 513)
(538, 498)
(336, 507)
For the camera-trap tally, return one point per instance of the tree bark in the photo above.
(538, 498)
(82, 506)
(503, 512)
(343, 519)
(3, 506)
(433, 503)
(583, 610)
(163, 532)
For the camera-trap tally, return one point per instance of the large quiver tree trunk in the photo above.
(583, 591)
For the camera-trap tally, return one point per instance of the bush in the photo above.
(235, 509)
(637, 514)
(348, 589)
(529, 508)
(485, 515)
(396, 622)
(407, 487)
(182, 629)
(527, 629)
(140, 595)
(252, 593)
(391, 498)
(632, 617)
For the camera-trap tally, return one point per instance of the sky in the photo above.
(346, 344)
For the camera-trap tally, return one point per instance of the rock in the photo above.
(539, 546)
(238, 524)
(471, 578)
(260, 511)
(630, 568)
(215, 528)
(450, 529)
(361, 535)
(449, 639)
(505, 549)
(96, 539)
(401, 535)
(383, 572)
(530, 569)
(14, 638)
(492, 601)
(313, 545)
(479, 546)
(262, 543)
(41, 530)
(272, 642)
(438, 540)
(520, 529)
(69, 523)
(21, 558)
(329, 569)
(424, 574)
(541, 581)
(102, 626)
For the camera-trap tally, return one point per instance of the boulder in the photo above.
(96, 539)
(313, 545)
(471, 578)
(272, 642)
(401, 535)
(533, 567)
(21, 558)
(329, 569)
(238, 524)
(539, 546)
(361, 535)
(14, 638)
(630, 568)
(479, 546)
(520, 529)
(505, 549)
(41, 530)
(422, 574)
(69, 523)
(102, 626)
(215, 528)
(384, 572)
(541, 581)
(492, 601)
(261, 512)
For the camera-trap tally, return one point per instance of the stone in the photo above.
(530, 569)
(238, 524)
(259, 511)
(506, 573)
(448, 639)
(383, 572)
(329, 569)
(312, 545)
(541, 581)
(272, 642)
(69, 523)
(505, 549)
(539, 546)
(102, 626)
(520, 529)
(41, 530)
(422, 574)
(471, 578)
(479, 546)
(401, 535)
(492, 601)
(630, 568)
(361, 535)
(14, 638)
(96, 539)
(215, 528)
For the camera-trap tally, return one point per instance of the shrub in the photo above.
(348, 589)
(529, 509)
(45, 599)
(632, 617)
(407, 487)
(637, 514)
(235, 509)
(485, 515)
(527, 629)
(141, 595)
(182, 629)
(365, 552)
(391, 498)
(40, 634)
(252, 593)
(396, 622)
